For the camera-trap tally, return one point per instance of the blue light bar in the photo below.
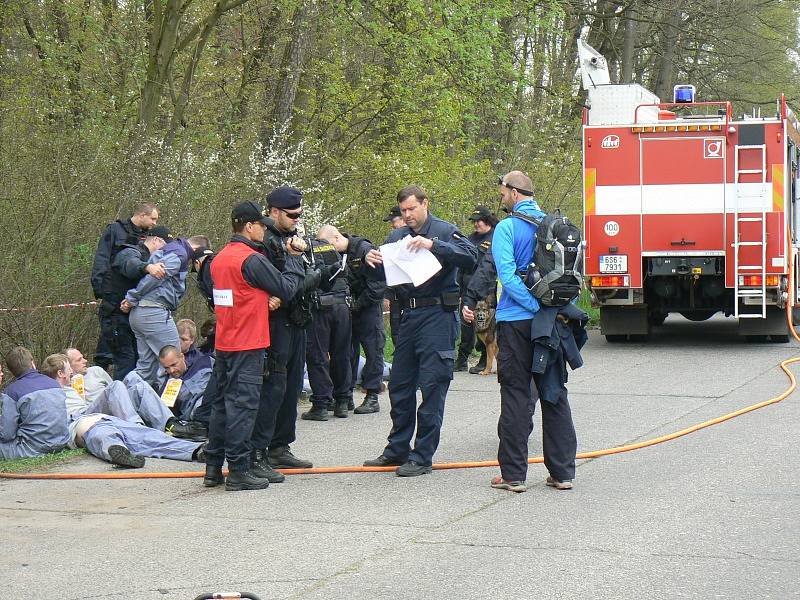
(683, 94)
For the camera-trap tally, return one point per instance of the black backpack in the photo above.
(555, 275)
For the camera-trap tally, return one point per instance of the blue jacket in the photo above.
(452, 249)
(169, 291)
(512, 247)
(33, 417)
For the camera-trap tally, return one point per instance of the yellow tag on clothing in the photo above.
(171, 390)
(79, 385)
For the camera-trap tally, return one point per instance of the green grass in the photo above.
(585, 304)
(22, 465)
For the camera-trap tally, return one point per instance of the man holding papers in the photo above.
(420, 262)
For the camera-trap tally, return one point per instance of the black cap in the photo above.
(248, 212)
(480, 212)
(160, 231)
(393, 214)
(285, 197)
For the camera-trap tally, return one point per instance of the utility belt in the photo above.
(448, 301)
(328, 300)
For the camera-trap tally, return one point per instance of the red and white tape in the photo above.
(67, 305)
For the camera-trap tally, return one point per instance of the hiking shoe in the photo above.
(245, 480)
(282, 458)
(370, 405)
(413, 469)
(559, 485)
(213, 476)
(199, 454)
(461, 364)
(123, 458)
(187, 430)
(340, 410)
(512, 486)
(260, 467)
(480, 366)
(317, 413)
(382, 461)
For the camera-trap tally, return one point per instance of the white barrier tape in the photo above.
(67, 305)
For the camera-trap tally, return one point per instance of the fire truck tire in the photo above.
(657, 318)
(699, 315)
(616, 338)
(779, 339)
(755, 339)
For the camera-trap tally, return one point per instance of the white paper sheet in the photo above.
(402, 265)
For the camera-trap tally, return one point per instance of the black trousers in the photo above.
(518, 396)
(118, 337)
(368, 333)
(328, 355)
(277, 411)
(469, 341)
(239, 378)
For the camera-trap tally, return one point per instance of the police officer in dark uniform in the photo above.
(328, 348)
(276, 423)
(202, 265)
(244, 281)
(424, 356)
(116, 336)
(484, 222)
(367, 318)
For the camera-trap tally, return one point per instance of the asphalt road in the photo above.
(715, 514)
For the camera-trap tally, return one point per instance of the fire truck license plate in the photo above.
(614, 263)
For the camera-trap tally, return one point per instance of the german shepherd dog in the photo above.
(485, 328)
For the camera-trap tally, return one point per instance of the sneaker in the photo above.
(123, 458)
(413, 469)
(559, 485)
(382, 461)
(260, 467)
(282, 458)
(213, 476)
(370, 405)
(245, 480)
(187, 430)
(512, 486)
(317, 413)
(340, 410)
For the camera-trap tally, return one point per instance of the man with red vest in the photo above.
(244, 280)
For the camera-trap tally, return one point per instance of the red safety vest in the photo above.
(242, 310)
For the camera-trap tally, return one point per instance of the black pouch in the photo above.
(450, 301)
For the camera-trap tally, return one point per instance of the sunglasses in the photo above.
(511, 187)
(292, 215)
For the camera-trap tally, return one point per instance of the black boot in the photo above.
(281, 457)
(245, 480)
(214, 476)
(461, 363)
(480, 366)
(260, 467)
(370, 405)
(317, 413)
(340, 410)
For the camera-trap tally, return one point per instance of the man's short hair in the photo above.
(53, 364)
(412, 190)
(187, 325)
(166, 350)
(200, 242)
(19, 360)
(144, 208)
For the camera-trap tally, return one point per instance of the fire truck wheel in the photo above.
(657, 318)
(699, 315)
(755, 339)
(779, 339)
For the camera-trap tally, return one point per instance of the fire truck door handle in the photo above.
(683, 242)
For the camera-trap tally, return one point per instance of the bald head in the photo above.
(330, 234)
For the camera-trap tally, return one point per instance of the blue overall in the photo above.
(425, 350)
(141, 440)
(33, 417)
(146, 402)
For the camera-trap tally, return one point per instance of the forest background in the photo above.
(199, 104)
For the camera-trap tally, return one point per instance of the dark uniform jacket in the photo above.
(450, 247)
(483, 242)
(366, 289)
(117, 235)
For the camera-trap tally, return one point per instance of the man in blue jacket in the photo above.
(513, 246)
(33, 410)
(152, 302)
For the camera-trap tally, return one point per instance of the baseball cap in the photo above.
(393, 214)
(285, 197)
(248, 212)
(480, 212)
(160, 231)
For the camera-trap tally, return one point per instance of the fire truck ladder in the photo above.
(741, 270)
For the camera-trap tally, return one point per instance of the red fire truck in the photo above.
(687, 208)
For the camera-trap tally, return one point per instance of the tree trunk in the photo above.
(628, 46)
(664, 65)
